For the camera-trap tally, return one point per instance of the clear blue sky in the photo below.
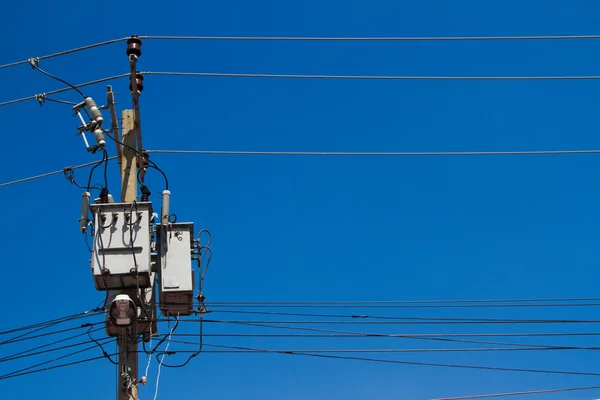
(317, 228)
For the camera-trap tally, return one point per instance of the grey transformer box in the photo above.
(175, 248)
(122, 245)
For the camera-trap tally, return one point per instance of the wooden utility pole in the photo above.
(127, 374)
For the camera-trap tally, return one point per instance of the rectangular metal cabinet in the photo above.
(176, 275)
(121, 241)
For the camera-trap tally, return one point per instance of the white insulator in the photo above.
(96, 114)
(99, 137)
(166, 205)
(83, 216)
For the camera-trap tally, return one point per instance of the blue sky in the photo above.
(318, 228)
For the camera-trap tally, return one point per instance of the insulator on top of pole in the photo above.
(134, 46)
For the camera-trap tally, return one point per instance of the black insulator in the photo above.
(139, 80)
(104, 196)
(145, 193)
(134, 46)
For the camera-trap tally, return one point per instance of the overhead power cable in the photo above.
(292, 38)
(371, 39)
(444, 365)
(382, 335)
(354, 302)
(433, 336)
(22, 371)
(374, 77)
(485, 396)
(377, 153)
(423, 350)
(366, 316)
(62, 53)
(51, 173)
(42, 95)
(52, 321)
(358, 322)
(17, 373)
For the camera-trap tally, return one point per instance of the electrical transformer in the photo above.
(121, 251)
(175, 245)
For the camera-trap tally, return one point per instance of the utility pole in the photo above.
(127, 339)
(130, 247)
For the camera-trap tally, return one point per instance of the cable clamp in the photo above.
(69, 174)
(41, 98)
(33, 62)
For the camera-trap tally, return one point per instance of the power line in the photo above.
(357, 322)
(365, 316)
(377, 153)
(371, 39)
(18, 373)
(52, 321)
(21, 372)
(395, 335)
(440, 350)
(483, 396)
(383, 335)
(529, 300)
(42, 95)
(62, 53)
(51, 173)
(292, 38)
(479, 367)
(375, 77)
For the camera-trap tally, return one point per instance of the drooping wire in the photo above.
(89, 333)
(34, 62)
(104, 159)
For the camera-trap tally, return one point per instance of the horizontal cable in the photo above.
(419, 336)
(357, 322)
(292, 38)
(28, 352)
(53, 321)
(371, 39)
(375, 77)
(377, 153)
(52, 349)
(365, 316)
(50, 174)
(479, 367)
(433, 350)
(66, 89)
(526, 300)
(485, 396)
(62, 53)
(21, 373)
(382, 335)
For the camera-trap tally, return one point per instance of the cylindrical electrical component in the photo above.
(111, 199)
(83, 216)
(166, 204)
(96, 115)
(134, 46)
(99, 137)
(139, 80)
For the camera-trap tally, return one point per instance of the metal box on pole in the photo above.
(122, 245)
(176, 275)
